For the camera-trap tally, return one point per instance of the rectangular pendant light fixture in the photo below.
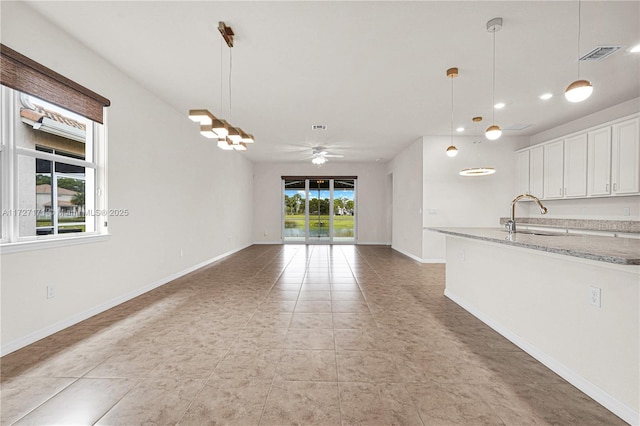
(229, 138)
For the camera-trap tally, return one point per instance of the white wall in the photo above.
(610, 208)
(183, 193)
(429, 192)
(406, 168)
(451, 200)
(540, 301)
(372, 197)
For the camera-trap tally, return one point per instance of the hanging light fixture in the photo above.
(452, 151)
(229, 137)
(579, 90)
(477, 171)
(494, 131)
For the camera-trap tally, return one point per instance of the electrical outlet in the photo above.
(51, 292)
(626, 211)
(595, 295)
(181, 253)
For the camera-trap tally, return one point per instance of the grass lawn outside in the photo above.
(322, 221)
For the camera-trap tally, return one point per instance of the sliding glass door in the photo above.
(319, 210)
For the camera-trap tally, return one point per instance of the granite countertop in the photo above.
(622, 251)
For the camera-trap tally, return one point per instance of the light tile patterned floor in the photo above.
(279, 335)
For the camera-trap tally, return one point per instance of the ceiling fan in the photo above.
(320, 155)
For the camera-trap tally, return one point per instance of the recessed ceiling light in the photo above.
(499, 105)
(460, 129)
(635, 49)
(546, 96)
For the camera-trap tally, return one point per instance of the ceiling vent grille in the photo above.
(319, 127)
(600, 52)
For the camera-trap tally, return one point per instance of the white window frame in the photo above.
(10, 240)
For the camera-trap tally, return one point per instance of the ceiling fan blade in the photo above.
(334, 155)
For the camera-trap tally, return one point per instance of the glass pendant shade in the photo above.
(578, 91)
(318, 160)
(452, 151)
(493, 132)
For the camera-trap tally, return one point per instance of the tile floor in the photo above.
(280, 335)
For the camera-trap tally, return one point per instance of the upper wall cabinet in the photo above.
(530, 171)
(625, 153)
(553, 170)
(575, 166)
(600, 162)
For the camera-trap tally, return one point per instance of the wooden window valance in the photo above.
(318, 177)
(26, 75)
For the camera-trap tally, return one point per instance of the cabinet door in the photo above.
(575, 166)
(553, 173)
(536, 171)
(523, 172)
(625, 163)
(599, 162)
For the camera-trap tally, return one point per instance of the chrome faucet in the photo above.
(511, 223)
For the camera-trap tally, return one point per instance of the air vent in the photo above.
(517, 126)
(600, 52)
(319, 127)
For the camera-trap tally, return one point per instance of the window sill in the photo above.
(8, 248)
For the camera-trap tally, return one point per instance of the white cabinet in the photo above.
(603, 161)
(536, 171)
(530, 171)
(553, 170)
(522, 171)
(599, 162)
(575, 166)
(625, 161)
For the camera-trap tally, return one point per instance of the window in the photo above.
(52, 159)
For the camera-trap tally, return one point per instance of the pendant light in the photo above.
(229, 138)
(477, 171)
(579, 90)
(494, 131)
(452, 151)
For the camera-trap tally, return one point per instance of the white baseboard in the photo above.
(68, 322)
(617, 407)
(418, 259)
(406, 253)
(358, 243)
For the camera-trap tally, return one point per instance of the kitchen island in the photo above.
(571, 301)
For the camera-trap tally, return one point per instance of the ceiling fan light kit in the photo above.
(229, 138)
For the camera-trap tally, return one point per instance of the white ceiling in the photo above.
(373, 72)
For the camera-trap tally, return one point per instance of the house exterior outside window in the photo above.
(52, 158)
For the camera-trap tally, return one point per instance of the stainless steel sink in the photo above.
(542, 233)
